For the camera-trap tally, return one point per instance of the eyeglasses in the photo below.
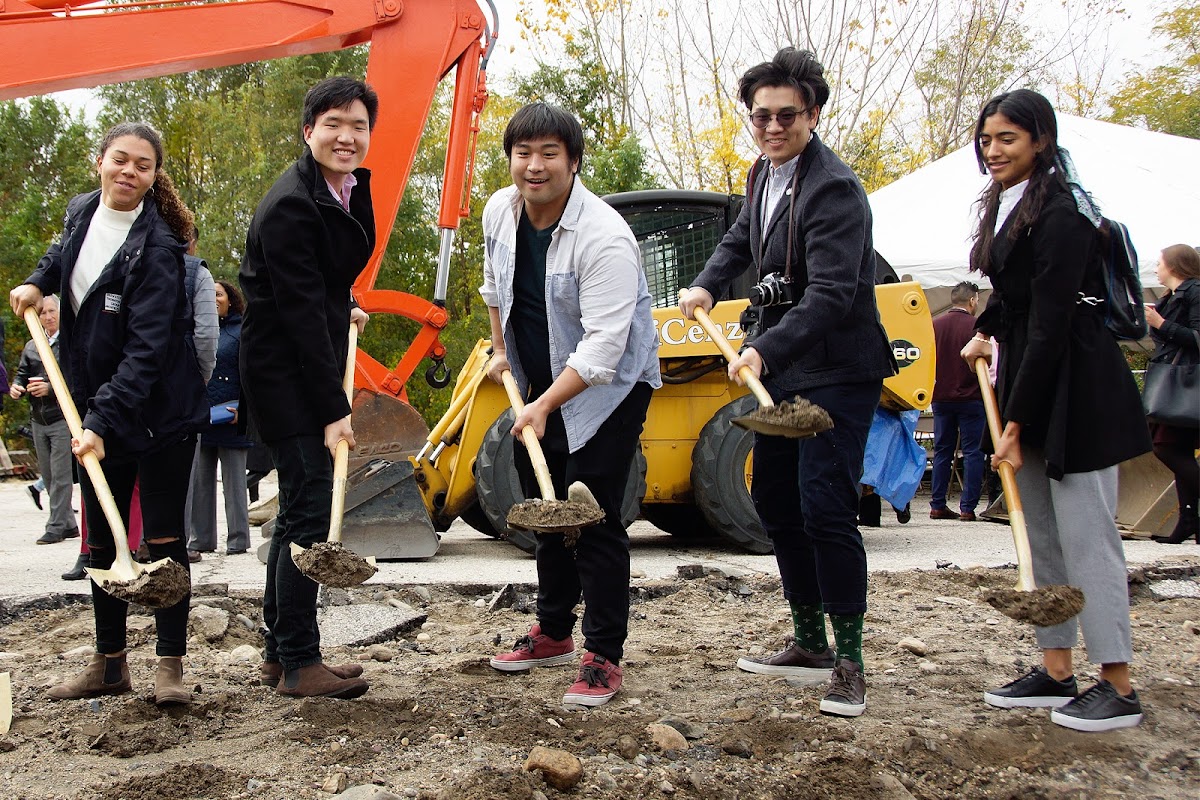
(761, 119)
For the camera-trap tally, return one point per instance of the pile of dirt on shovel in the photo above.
(332, 564)
(798, 414)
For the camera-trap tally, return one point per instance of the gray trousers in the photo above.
(53, 445)
(201, 513)
(1074, 540)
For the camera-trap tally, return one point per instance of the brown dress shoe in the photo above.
(269, 672)
(967, 516)
(942, 513)
(316, 681)
(168, 683)
(100, 678)
(794, 662)
(847, 695)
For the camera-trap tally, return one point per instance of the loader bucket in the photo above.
(1146, 502)
(385, 517)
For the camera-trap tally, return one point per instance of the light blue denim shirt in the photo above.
(597, 303)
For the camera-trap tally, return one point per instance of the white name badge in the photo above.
(112, 303)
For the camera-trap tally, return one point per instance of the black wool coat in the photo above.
(303, 253)
(124, 352)
(1180, 310)
(832, 334)
(1061, 373)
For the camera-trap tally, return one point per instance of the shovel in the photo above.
(797, 419)
(549, 515)
(329, 562)
(1041, 606)
(158, 585)
(5, 703)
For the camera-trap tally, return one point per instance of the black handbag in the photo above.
(1172, 393)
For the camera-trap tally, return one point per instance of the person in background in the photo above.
(1038, 242)
(51, 437)
(199, 287)
(222, 442)
(1174, 323)
(958, 420)
(119, 269)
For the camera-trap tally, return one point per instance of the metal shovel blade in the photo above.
(5, 703)
(792, 419)
(161, 584)
(332, 564)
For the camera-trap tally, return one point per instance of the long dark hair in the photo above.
(1033, 113)
(170, 205)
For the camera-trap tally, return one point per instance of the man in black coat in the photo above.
(311, 236)
(806, 229)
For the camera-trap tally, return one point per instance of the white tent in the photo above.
(1149, 181)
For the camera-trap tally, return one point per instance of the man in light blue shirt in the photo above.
(570, 317)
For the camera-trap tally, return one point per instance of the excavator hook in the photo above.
(438, 375)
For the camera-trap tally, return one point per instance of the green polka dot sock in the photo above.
(847, 632)
(809, 625)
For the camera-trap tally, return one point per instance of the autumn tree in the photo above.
(1166, 98)
(47, 155)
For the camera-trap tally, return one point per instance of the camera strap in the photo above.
(762, 239)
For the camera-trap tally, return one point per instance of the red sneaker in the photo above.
(599, 679)
(535, 649)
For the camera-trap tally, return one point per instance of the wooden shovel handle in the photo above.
(89, 460)
(1008, 482)
(529, 437)
(746, 374)
(341, 454)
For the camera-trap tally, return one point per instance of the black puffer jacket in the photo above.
(123, 352)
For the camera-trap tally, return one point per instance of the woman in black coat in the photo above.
(1069, 405)
(1174, 324)
(119, 270)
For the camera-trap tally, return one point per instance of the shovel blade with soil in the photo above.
(548, 514)
(795, 419)
(330, 562)
(158, 585)
(1027, 602)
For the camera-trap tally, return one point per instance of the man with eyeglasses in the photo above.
(958, 419)
(814, 333)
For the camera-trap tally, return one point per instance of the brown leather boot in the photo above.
(104, 675)
(168, 683)
(269, 672)
(316, 681)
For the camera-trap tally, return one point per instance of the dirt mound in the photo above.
(439, 724)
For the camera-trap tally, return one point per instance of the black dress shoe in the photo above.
(77, 572)
(36, 495)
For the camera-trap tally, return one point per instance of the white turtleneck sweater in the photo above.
(105, 235)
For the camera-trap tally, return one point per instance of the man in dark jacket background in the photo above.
(311, 236)
(958, 419)
(51, 437)
(806, 228)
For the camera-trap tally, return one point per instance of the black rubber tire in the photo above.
(499, 489)
(679, 519)
(719, 482)
(474, 516)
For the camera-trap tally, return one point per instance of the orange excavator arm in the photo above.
(414, 44)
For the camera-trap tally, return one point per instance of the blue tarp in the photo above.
(894, 463)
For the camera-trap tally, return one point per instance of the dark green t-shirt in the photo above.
(529, 324)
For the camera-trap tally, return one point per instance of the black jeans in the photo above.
(806, 494)
(164, 476)
(290, 600)
(598, 567)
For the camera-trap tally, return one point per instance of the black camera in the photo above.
(773, 290)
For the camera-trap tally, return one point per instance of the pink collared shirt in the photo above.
(343, 196)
